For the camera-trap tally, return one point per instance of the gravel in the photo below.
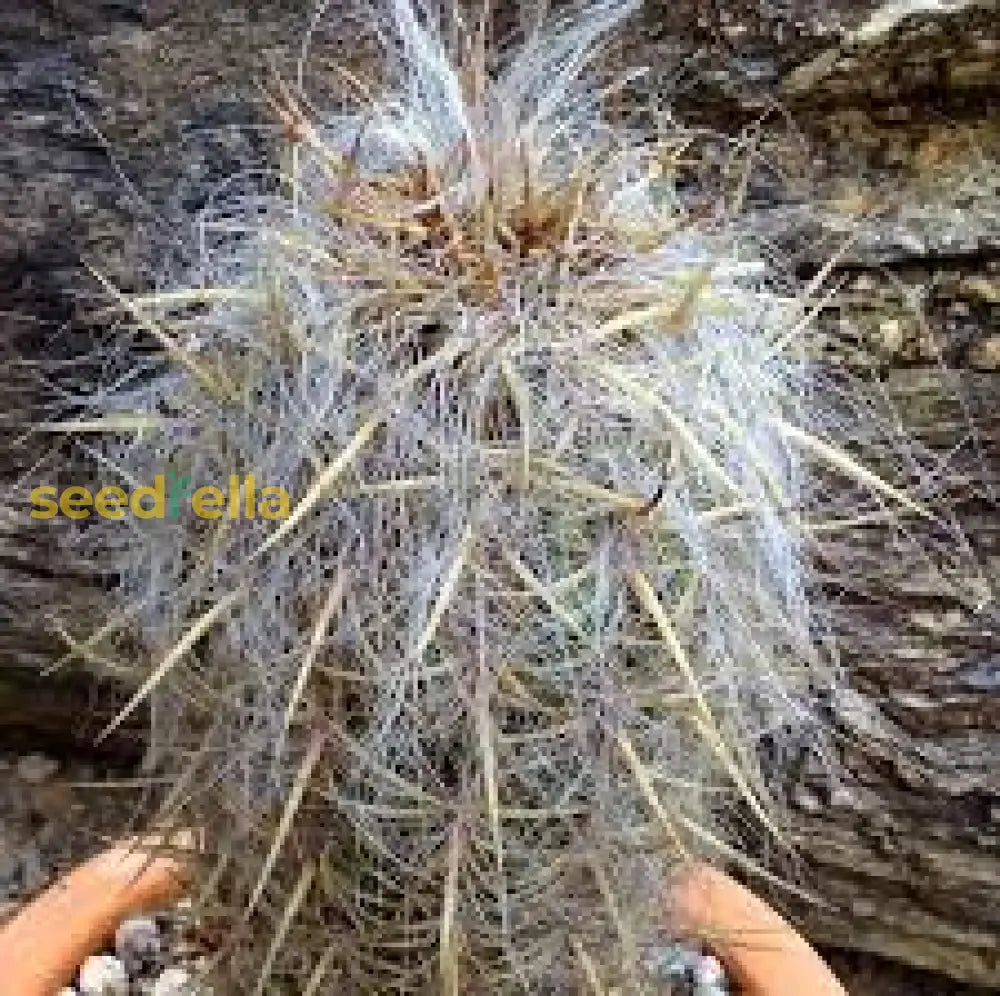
(103, 975)
(139, 944)
(51, 818)
(710, 977)
(691, 971)
(155, 958)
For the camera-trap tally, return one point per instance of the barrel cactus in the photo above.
(473, 569)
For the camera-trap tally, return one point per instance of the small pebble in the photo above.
(709, 990)
(103, 975)
(36, 768)
(689, 971)
(175, 982)
(671, 962)
(138, 943)
(709, 977)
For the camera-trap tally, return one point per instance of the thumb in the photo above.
(763, 954)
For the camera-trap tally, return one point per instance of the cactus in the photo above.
(553, 448)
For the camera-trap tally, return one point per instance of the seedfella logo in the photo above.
(167, 497)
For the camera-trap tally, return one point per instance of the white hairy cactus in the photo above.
(548, 440)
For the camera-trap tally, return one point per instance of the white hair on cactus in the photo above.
(542, 588)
